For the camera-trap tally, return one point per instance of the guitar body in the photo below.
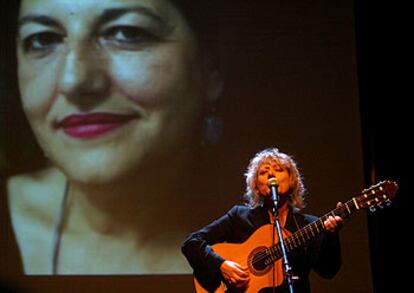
(263, 255)
(241, 253)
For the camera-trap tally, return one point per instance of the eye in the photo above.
(41, 42)
(277, 168)
(128, 35)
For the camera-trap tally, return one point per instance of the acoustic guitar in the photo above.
(264, 257)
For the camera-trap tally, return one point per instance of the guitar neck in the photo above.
(312, 230)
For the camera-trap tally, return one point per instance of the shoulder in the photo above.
(36, 184)
(239, 210)
(33, 192)
(242, 213)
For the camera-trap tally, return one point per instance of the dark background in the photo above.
(381, 34)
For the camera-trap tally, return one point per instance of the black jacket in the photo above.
(238, 224)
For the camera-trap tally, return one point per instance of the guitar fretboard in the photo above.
(309, 232)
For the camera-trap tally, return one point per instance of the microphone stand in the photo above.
(287, 268)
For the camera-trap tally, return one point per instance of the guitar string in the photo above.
(263, 255)
(275, 249)
(308, 228)
(276, 245)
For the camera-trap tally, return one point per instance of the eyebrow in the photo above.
(270, 165)
(112, 13)
(41, 19)
(107, 15)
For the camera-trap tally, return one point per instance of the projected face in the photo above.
(270, 169)
(108, 85)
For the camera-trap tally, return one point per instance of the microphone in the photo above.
(272, 181)
(273, 184)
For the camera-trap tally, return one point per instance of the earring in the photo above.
(213, 127)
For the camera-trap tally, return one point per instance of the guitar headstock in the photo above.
(377, 195)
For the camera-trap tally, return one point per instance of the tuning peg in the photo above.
(380, 206)
(388, 203)
(372, 209)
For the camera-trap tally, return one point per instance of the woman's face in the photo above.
(108, 85)
(269, 169)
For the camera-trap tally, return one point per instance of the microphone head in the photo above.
(272, 181)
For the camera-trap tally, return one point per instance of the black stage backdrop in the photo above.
(385, 107)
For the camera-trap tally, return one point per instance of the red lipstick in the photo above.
(92, 125)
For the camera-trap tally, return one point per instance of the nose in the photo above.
(83, 76)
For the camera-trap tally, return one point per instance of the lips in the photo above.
(93, 125)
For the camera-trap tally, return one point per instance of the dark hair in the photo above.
(202, 16)
(19, 147)
(213, 23)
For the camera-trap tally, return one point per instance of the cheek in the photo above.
(261, 184)
(152, 79)
(37, 87)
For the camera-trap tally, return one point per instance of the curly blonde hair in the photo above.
(297, 189)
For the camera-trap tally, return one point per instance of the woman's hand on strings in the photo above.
(333, 223)
(235, 274)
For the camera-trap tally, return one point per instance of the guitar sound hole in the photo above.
(259, 261)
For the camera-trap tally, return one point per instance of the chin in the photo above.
(100, 176)
(89, 171)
